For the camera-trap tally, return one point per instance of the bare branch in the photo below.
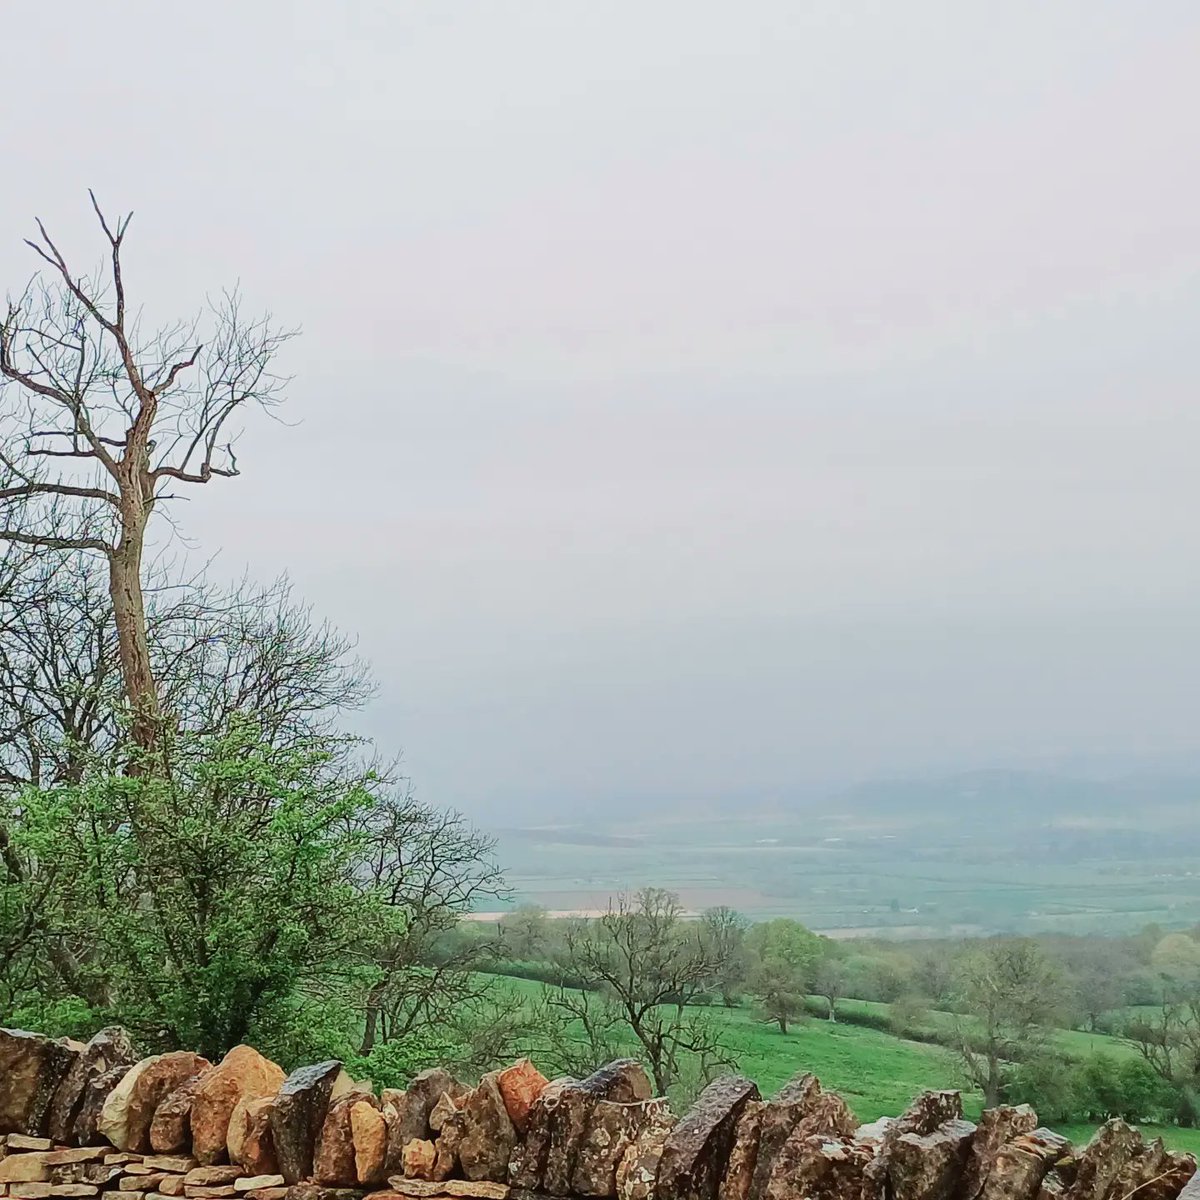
(182, 365)
(59, 489)
(205, 473)
(54, 543)
(88, 385)
(56, 260)
(34, 451)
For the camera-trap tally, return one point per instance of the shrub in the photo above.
(1050, 1084)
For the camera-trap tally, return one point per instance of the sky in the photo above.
(697, 403)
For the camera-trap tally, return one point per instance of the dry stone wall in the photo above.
(93, 1121)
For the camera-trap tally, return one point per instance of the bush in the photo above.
(1094, 1089)
(906, 1015)
(1144, 1095)
(1100, 1093)
(1050, 1084)
(394, 1063)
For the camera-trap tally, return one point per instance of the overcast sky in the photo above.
(696, 401)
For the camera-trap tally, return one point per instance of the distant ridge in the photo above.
(1029, 794)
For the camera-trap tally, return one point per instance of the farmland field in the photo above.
(862, 876)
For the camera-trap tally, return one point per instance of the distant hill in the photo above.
(992, 796)
(1027, 792)
(1027, 795)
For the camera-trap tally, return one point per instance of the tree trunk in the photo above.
(658, 1068)
(129, 609)
(783, 1025)
(992, 1084)
(371, 1019)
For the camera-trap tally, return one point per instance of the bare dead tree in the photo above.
(96, 414)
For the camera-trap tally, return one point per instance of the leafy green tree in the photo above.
(879, 976)
(1050, 1084)
(1099, 1087)
(1010, 993)
(724, 930)
(1177, 958)
(217, 654)
(210, 896)
(1094, 1089)
(785, 957)
(779, 989)
(1142, 1095)
(280, 894)
(787, 942)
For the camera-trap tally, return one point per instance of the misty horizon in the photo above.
(713, 406)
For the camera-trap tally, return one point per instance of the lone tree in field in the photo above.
(99, 420)
(1010, 995)
(785, 959)
(636, 969)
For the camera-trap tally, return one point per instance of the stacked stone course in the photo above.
(94, 1121)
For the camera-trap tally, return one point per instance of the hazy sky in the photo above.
(695, 400)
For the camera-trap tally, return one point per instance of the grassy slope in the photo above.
(1072, 1042)
(876, 1072)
